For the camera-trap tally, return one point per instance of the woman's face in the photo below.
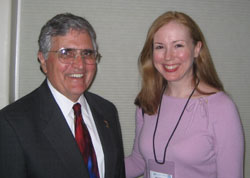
(174, 52)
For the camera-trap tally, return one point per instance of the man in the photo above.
(38, 135)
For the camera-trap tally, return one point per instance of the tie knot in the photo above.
(77, 109)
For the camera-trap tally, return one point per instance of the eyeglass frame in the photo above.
(96, 54)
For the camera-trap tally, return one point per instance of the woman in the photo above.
(186, 125)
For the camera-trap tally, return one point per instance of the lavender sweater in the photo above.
(208, 142)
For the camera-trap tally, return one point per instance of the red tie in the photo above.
(84, 143)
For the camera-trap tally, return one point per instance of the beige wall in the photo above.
(5, 28)
(121, 28)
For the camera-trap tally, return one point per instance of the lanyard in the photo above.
(158, 114)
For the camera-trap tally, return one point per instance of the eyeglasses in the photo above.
(68, 55)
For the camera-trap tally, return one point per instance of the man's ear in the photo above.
(42, 61)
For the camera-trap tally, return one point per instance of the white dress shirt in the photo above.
(66, 107)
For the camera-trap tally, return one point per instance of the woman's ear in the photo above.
(197, 49)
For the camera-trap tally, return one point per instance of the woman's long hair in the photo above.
(152, 81)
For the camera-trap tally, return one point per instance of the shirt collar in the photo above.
(64, 103)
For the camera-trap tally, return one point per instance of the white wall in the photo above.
(121, 28)
(5, 28)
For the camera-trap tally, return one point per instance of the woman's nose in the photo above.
(168, 54)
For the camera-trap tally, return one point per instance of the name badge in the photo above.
(156, 170)
(154, 174)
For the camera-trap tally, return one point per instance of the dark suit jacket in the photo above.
(36, 142)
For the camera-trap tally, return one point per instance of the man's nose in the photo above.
(78, 62)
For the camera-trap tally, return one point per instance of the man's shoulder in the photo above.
(98, 100)
(27, 101)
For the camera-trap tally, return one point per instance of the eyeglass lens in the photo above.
(68, 55)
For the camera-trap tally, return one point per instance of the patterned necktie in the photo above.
(84, 143)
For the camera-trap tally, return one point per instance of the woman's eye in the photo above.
(158, 47)
(178, 45)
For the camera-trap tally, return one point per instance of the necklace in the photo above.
(158, 114)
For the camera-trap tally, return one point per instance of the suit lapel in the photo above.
(61, 139)
(59, 135)
(104, 131)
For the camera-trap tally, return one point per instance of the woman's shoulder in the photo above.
(222, 101)
(214, 97)
(205, 90)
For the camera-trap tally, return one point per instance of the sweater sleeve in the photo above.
(228, 138)
(134, 163)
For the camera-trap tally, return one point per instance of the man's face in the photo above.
(73, 79)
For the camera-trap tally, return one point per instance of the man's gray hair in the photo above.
(60, 25)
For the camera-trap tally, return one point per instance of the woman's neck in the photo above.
(180, 89)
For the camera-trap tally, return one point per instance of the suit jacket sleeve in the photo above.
(12, 164)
